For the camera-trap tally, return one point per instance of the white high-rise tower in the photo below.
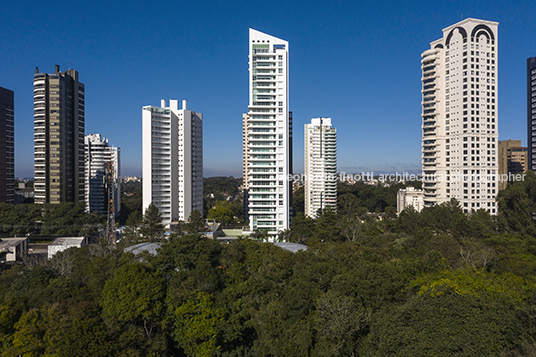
(172, 160)
(459, 116)
(98, 154)
(320, 166)
(267, 136)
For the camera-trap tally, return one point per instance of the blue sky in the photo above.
(357, 62)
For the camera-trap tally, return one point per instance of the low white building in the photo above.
(12, 248)
(409, 197)
(64, 243)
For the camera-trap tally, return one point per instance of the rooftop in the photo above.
(6, 243)
(68, 241)
(292, 247)
(144, 247)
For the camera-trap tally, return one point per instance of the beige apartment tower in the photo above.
(513, 159)
(58, 137)
(459, 116)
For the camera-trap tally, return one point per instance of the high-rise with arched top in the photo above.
(459, 116)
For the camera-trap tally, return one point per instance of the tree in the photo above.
(151, 228)
(446, 218)
(302, 228)
(133, 306)
(131, 233)
(131, 201)
(134, 294)
(222, 213)
(453, 313)
(298, 201)
(10, 313)
(338, 322)
(190, 264)
(326, 226)
(517, 205)
(348, 204)
(68, 219)
(28, 339)
(351, 227)
(195, 222)
(77, 330)
(195, 326)
(19, 219)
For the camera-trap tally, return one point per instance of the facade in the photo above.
(98, 153)
(23, 194)
(512, 160)
(459, 116)
(320, 166)
(267, 136)
(58, 137)
(531, 112)
(409, 196)
(7, 146)
(245, 163)
(172, 160)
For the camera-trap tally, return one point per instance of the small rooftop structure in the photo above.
(64, 243)
(12, 248)
(291, 247)
(144, 247)
(226, 239)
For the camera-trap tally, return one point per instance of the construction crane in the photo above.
(110, 224)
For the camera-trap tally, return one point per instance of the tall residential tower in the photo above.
(7, 146)
(58, 137)
(459, 116)
(531, 112)
(320, 167)
(172, 160)
(98, 154)
(267, 136)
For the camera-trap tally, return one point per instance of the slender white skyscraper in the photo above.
(98, 154)
(172, 160)
(459, 113)
(320, 167)
(267, 137)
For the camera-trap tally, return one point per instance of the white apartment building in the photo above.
(267, 136)
(459, 116)
(409, 196)
(172, 160)
(320, 166)
(98, 153)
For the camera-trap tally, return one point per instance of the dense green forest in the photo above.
(223, 201)
(65, 219)
(434, 283)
